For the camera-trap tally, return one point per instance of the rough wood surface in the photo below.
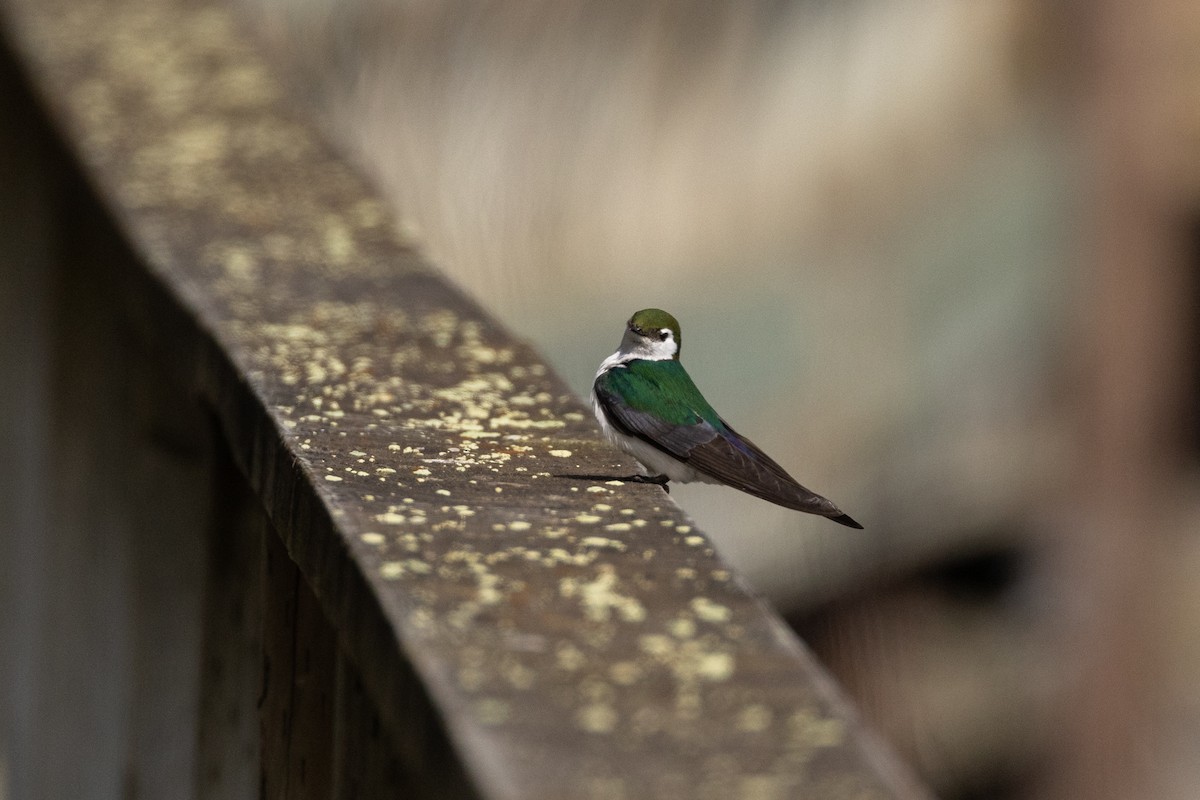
(231, 680)
(298, 685)
(569, 638)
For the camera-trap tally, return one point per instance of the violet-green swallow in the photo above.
(648, 406)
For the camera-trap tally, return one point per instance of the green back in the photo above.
(661, 388)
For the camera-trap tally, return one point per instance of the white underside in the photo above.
(652, 460)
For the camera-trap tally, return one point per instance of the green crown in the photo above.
(652, 320)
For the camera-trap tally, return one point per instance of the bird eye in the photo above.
(663, 334)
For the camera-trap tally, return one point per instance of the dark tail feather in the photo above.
(846, 520)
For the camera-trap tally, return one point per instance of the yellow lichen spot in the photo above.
(518, 675)
(421, 471)
(754, 718)
(519, 525)
(694, 541)
(339, 244)
(625, 673)
(600, 541)
(715, 666)
(422, 620)
(618, 526)
(709, 611)
(240, 264)
(809, 728)
(569, 657)
(488, 593)
(682, 627)
(471, 677)
(492, 711)
(333, 478)
(372, 538)
(385, 471)
(444, 492)
(521, 421)
(763, 787)
(597, 490)
(391, 570)
(683, 528)
(390, 518)
(597, 718)
(587, 519)
(561, 453)
(614, 483)
(656, 645)
(600, 597)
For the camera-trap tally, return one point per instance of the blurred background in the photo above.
(940, 259)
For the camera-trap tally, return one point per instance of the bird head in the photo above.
(652, 334)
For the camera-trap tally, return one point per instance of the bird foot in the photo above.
(657, 480)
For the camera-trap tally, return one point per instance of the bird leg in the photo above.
(658, 480)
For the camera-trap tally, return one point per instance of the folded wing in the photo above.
(661, 406)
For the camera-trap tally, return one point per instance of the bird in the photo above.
(648, 406)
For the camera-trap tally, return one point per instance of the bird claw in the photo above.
(657, 480)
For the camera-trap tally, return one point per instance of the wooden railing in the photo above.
(288, 516)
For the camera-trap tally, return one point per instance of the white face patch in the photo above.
(650, 348)
(659, 345)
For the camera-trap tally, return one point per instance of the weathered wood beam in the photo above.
(567, 637)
